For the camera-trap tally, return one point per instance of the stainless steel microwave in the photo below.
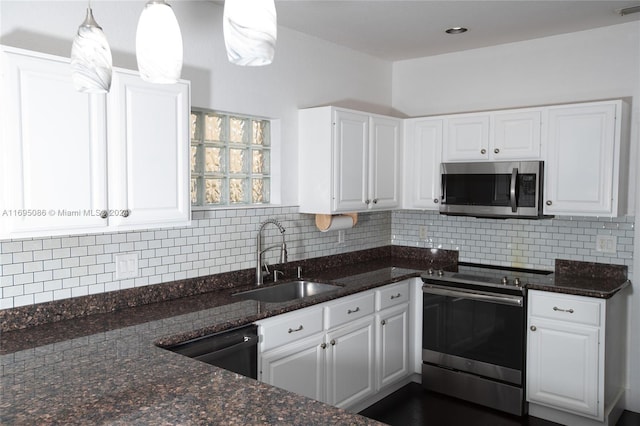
(501, 189)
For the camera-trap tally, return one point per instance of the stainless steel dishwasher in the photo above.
(234, 350)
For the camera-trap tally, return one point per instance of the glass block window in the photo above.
(230, 159)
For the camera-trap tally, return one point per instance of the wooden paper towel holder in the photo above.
(323, 221)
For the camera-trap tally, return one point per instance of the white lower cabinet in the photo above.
(298, 367)
(354, 356)
(392, 336)
(571, 376)
(350, 363)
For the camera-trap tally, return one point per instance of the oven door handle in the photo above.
(512, 190)
(503, 299)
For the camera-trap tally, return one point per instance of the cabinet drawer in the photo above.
(289, 327)
(350, 309)
(578, 309)
(392, 295)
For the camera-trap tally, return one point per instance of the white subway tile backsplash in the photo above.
(38, 270)
(520, 243)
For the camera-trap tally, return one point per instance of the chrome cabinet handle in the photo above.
(333, 342)
(291, 330)
(436, 201)
(512, 190)
(367, 202)
(533, 328)
(555, 308)
(396, 296)
(383, 322)
(548, 202)
(104, 214)
(375, 201)
(357, 309)
(496, 151)
(483, 151)
(323, 346)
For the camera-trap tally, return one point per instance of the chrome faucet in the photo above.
(260, 250)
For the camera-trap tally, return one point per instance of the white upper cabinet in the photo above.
(78, 163)
(584, 175)
(349, 161)
(467, 138)
(516, 134)
(422, 154)
(53, 144)
(148, 152)
(498, 135)
(384, 158)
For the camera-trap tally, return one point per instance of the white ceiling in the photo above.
(397, 29)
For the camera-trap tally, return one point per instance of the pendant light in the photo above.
(159, 44)
(91, 61)
(250, 31)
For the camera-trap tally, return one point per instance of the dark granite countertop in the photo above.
(106, 368)
(583, 279)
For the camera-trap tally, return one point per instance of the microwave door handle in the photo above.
(512, 190)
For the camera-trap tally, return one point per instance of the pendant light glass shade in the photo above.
(159, 44)
(91, 61)
(250, 31)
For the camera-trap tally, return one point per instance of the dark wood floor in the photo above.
(412, 405)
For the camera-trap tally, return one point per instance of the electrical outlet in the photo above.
(126, 266)
(422, 232)
(606, 243)
(341, 236)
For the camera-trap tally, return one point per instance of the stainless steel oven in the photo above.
(473, 334)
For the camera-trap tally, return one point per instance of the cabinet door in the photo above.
(582, 164)
(297, 367)
(148, 152)
(53, 149)
(350, 363)
(384, 161)
(467, 138)
(423, 152)
(392, 344)
(350, 160)
(516, 135)
(562, 363)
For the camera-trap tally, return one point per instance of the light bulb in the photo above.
(250, 31)
(159, 44)
(91, 62)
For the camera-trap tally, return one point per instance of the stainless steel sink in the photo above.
(287, 291)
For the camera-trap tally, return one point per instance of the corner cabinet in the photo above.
(78, 163)
(349, 161)
(574, 365)
(340, 352)
(584, 175)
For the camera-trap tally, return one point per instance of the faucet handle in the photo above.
(266, 268)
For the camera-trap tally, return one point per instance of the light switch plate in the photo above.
(606, 243)
(126, 266)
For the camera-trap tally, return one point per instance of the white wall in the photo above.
(597, 64)
(306, 71)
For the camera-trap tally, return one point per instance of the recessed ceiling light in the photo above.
(456, 30)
